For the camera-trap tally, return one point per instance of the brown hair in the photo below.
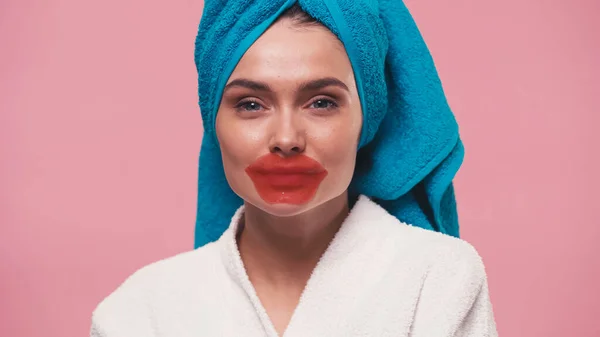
(299, 16)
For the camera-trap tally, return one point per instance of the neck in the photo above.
(283, 251)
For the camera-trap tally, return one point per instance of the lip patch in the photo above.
(294, 180)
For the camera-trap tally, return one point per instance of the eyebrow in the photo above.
(306, 86)
(249, 84)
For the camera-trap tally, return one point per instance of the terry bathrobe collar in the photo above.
(367, 226)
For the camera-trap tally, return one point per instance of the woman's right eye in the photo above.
(248, 106)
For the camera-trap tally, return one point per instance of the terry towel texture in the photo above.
(409, 149)
(437, 283)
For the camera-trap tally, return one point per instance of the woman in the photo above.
(288, 94)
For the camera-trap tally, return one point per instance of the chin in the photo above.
(288, 209)
(282, 209)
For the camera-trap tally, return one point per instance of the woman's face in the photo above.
(289, 120)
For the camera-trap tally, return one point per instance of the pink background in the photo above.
(100, 132)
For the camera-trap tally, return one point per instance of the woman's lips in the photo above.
(292, 180)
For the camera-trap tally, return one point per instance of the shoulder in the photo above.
(448, 261)
(174, 269)
(436, 254)
(453, 297)
(158, 284)
(432, 251)
(454, 292)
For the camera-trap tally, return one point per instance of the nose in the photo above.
(288, 136)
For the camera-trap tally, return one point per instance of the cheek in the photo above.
(238, 145)
(336, 145)
(237, 141)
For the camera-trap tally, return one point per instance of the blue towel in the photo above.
(409, 149)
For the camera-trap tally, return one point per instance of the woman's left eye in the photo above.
(323, 104)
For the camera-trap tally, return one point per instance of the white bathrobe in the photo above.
(379, 277)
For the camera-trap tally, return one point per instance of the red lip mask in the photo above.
(292, 180)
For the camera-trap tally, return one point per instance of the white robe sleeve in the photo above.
(126, 312)
(96, 330)
(454, 300)
(480, 319)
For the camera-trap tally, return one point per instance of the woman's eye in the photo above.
(323, 104)
(248, 106)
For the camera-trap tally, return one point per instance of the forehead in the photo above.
(286, 51)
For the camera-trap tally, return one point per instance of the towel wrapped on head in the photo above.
(409, 149)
